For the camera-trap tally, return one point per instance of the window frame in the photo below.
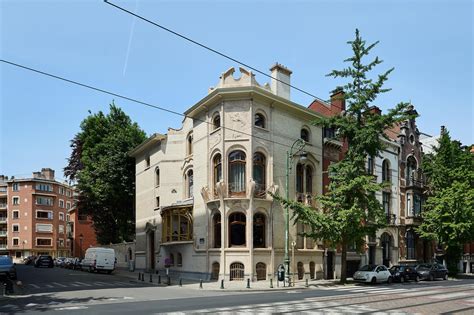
(241, 163)
(259, 160)
(234, 220)
(260, 120)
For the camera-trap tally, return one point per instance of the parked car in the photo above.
(373, 274)
(44, 260)
(29, 260)
(404, 273)
(7, 267)
(432, 271)
(99, 259)
(58, 262)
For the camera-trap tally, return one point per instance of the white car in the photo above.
(373, 274)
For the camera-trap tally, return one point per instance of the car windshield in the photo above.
(395, 268)
(367, 268)
(5, 261)
(424, 267)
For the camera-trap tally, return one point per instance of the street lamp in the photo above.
(81, 238)
(298, 146)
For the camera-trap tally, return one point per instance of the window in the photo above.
(329, 133)
(189, 183)
(189, 144)
(304, 134)
(44, 201)
(15, 187)
(68, 205)
(300, 268)
(259, 166)
(68, 217)
(68, 193)
(386, 203)
(216, 224)
(16, 241)
(147, 161)
(309, 179)
(410, 241)
(61, 229)
(236, 271)
(16, 200)
(61, 190)
(40, 214)
(217, 165)
(370, 165)
(157, 177)
(61, 243)
(216, 122)
(411, 167)
(259, 230)
(44, 242)
(16, 214)
(417, 204)
(177, 225)
(312, 269)
(16, 228)
(259, 120)
(171, 262)
(299, 178)
(386, 171)
(237, 223)
(61, 203)
(261, 270)
(179, 261)
(157, 202)
(299, 237)
(44, 187)
(237, 173)
(44, 228)
(215, 271)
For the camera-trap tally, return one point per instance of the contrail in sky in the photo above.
(130, 40)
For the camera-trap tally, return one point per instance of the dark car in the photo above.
(7, 267)
(29, 260)
(44, 261)
(432, 271)
(404, 273)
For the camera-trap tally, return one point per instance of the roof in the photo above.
(152, 140)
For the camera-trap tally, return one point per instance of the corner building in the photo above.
(202, 207)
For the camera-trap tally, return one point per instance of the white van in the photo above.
(99, 259)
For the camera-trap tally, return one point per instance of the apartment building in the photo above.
(3, 215)
(35, 211)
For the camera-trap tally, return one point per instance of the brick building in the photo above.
(80, 231)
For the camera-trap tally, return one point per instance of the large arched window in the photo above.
(237, 223)
(189, 183)
(304, 135)
(309, 179)
(216, 122)
(189, 144)
(259, 230)
(259, 120)
(411, 166)
(259, 166)
(299, 178)
(237, 271)
(216, 224)
(237, 173)
(217, 166)
(157, 177)
(386, 171)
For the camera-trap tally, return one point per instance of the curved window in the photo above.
(261, 270)
(304, 134)
(216, 223)
(237, 229)
(189, 183)
(236, 271)
(189, 144)
(386, 171)
(171, 260)
(259, 230)
(177, 225)
(237, 173)
(157, 177)
(309, 179)
(216, 122)
(259, 120)
(411, 167)
(179, 261)
(217, 165)
(259, 165)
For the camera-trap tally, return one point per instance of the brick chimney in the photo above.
(282, 74)
(337, 100)
(47, 173)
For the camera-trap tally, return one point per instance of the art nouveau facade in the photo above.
(202, 206)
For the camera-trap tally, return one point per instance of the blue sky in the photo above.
(430, 44)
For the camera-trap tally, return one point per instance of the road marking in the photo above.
(103, 283)
(59, 284)
(98, 284)
(34, 286)
(83, 284)
(449, 295)
(49, 286)
(71, 308)
(75, 284)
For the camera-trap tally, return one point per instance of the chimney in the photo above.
(443, 130)
(280, 86)
(47, 173)
(375, 110)
(37, 175)
(338, 99)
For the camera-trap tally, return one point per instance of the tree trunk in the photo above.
(343, 263)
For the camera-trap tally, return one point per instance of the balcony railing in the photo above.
(237, 189)
(260, 191)
(416, 179)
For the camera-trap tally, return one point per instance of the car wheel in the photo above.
(374, 280)
(431, 277)
(402, 279)
(389, 280)
(417, 279)
(109, 272)
(445, 276)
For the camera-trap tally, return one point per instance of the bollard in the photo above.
(157, 272)
(143, 276)
(151, 278)
(139, 276)
(306, 285)
(4, 288)
(200, 283)
(222, 284)
(159, 279)
(169, 280)
(289, 282)
(180, 282)
(248, 283)
(271, 283)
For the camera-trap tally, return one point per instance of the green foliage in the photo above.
(105, 174)
(350, 209)
(448, 214)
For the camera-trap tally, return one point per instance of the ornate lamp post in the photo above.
(298, 146)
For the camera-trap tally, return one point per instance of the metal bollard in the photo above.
(4, 288)
(222, 284)
(289, 282)
(139, 276)
(143, 276)
(151, 278)
(180, 282)
(271, 283)
(200, 283)
(306, 285)
(248, 283)
(159, 279)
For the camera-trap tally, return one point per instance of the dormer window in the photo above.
(260, 120)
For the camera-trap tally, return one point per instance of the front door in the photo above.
(329, 265)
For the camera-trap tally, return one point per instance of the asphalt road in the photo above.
(119, 294)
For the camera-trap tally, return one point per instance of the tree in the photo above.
(350, 209)
(448, 214)
(105, 174)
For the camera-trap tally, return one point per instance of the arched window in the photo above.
(189, 183)
(216, 223)
(171, 260)
(299, 178)
(237, 173)
(312, 269)
(410, 241)
(304, 134)
(237, 223)
(259, 120)
(259, 230)
(411, 166)
(300, 270)
(386, 171)
(309, 179)
(370, 165)
(157, 177)
(261, 270)
(236, 271)
(217, 165)
(259, 166)
(216, 122)
(215, 271)
(189, 144)
(179, 261)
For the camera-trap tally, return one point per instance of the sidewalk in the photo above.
(264, 285)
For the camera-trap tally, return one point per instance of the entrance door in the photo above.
(386, 241)
(371, 254)
(330, 265)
